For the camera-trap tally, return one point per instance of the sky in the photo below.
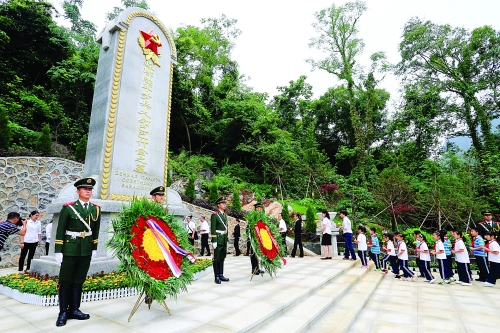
(273, 47)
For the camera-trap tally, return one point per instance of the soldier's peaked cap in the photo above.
(258, 204)
(85, 182)
(158, 190)
(220, 200)
(486, 212)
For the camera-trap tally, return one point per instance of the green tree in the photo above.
(190, 191)
(44, 143)
(286, 214)
(126, 4)
(236, 204)
(311, 225)
(4, 129)
(81, 149)
(213, 194)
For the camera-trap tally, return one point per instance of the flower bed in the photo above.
(42, 290)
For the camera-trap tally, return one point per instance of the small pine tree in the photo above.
(214, 192)
(4, 129)
(236, 205)
(286, 214)
(310, 219)
(190, 191)
(81, 149)
(44, 143)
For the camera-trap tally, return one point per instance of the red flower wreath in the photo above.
(267, 242)
(157, 269)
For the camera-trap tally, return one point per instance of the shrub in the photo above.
(311, 225)
(81, 149)
(286, 214)
(236, 200)
(214, 192)
(190, 191)
(44, 143)
(4, 129)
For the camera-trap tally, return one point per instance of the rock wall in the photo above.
(28, 184)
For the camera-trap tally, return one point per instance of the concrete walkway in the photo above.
(308, 295)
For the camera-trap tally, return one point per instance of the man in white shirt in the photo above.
(48, 233)
(346, 226)
(204, 231)
(191, 227)
(283, 230)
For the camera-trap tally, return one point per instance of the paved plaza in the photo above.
(308, 295)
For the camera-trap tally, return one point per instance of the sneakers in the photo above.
(384, 271)
(366, 266)
(432, 281)
(487, 284)
(413, 278)
(466, 284)
(403, 279)
(452, 280)
(397, 276)
(443, 282)
(377, 269)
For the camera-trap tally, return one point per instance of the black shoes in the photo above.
(77, 314)
(223, 278)
(62, 318)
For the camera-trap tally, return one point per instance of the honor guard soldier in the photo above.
(488, 224)
(158, 194)
(75, 246)
(218, 232)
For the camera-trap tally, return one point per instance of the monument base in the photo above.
(48, 265)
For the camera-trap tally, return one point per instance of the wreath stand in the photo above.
(259, 265)
(148, 300)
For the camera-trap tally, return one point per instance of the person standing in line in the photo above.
(282, 229)
(30, 241)
(218, 233)
(374, 245)
(297, 231)
(477, 246)
(191, 227)
(237, 235)
(346, 226)
(77, 236)
(48, 235)
(204, 231)
(417, 254)
(362, 246)
(447, 250)
(493, 250)
(403, 258)
(9, 227)
(326, 238)
(462, 259)
(390, 255)
(440, 254)
(158, 194)
(425, 258)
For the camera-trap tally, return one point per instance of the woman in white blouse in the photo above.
(30, 241)
(326, 238)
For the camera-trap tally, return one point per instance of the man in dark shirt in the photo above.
(297, 230)
(237, 236)
(9, 227)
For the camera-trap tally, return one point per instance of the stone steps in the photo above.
(306, 313)
(344, 313)
(268, 309)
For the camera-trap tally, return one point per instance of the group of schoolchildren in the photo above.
(487, 255)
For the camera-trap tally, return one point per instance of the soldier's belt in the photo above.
(222, 232)
(75, 234)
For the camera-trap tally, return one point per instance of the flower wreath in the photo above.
(265, 240)
(151, 248)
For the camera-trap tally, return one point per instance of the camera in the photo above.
(20, 222)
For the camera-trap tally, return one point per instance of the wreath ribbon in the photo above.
(160, 235)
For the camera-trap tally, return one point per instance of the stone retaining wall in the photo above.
(28, 184)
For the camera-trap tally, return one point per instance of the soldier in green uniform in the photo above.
(158, 194)
(488, 224)
(218, 233)
(75, 246)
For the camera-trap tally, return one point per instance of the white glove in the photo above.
(214, 245)
(59, 258)
(94, 254)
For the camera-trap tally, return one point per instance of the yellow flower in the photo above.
(266, 239)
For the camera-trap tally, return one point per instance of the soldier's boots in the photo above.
(64, 295)
(221, 272)
(216, 272)
(74, 304)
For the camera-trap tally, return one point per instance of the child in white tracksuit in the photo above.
(462, 259)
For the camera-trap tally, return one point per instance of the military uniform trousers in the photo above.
(221, 250)
(73, 271)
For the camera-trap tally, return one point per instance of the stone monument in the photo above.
(127, 149)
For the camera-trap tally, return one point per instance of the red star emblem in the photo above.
(152, 41)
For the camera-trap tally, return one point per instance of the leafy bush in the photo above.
(286, 214)
(81, 149)
(214, 192)
(239, 172)
(22, 138)
(412, 242)
(44, 143)
(185, 165)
